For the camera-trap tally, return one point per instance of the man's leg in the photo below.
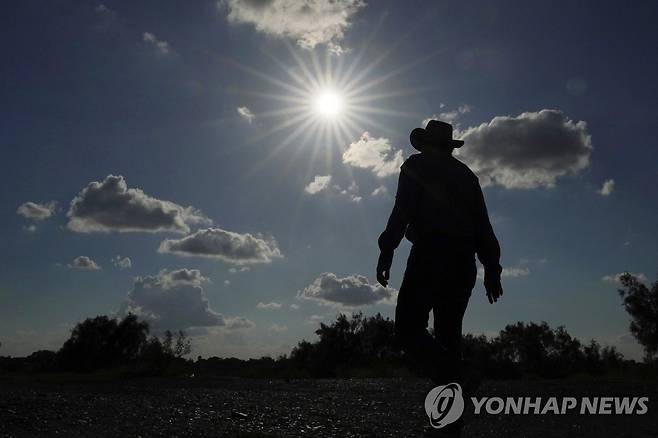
(412, 316)
(448, 309)
(448, 316)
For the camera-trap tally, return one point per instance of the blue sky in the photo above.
(186, 137)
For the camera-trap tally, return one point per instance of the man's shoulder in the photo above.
(463, 168)
(413, 158)
(412, 162)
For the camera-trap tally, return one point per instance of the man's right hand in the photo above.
(493, 286)
(384, 267)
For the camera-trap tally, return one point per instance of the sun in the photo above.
(321, 104)
(328, 103)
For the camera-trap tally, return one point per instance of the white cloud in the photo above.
(105, 17)
(172, 300)
(161, 47)
(294, 306)
(527, 151)
(322, 183)
(319, 183)
(451, 117)
(224, 245)
(350, 291)
(36, 211)
(616, 278)
(308, 22)
(182, 276)
(122, 262)
(463, 109)
(84, 262)
(239, 323)
(276, 328)
(268, 306)
(235, 270)
(352, 192)
(380, 191)
(246, 113)
(314, 319)
(607, 188)
(509, 272)
(110, 205)
(375, 154)
(514, 272)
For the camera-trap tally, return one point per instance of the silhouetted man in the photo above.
(440, 208)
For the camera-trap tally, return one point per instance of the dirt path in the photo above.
(309, 408)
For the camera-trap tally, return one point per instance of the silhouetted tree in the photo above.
(358, 342)
(537, 349)
(642, 304)
(103, 342)
(181, 347)
(348, 343)
(611, 358)
(353, 345)
(592, 353)
(41, 361)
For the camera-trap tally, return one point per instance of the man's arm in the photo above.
(488, 250)
(405, 203)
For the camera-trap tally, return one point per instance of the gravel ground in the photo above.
(311, 408)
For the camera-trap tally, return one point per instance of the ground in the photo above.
(311, 408)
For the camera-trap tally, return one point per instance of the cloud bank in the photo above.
(85, 263)
(375, 154)
(309, 23)
(110, 205)
(607, 188)
(508, 272)
(268, 306)
(322, 184)
(276, 328)
(319, 183)
(238, 323)
(527, 151)
(350, 291)
(616, 278)
(36, 211)
(161, 47)
(451, 116)
(122, 262)
(246, 114)
(172, 300)
(225, 245)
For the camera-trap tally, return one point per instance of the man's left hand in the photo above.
(384, 267)
(493, 287)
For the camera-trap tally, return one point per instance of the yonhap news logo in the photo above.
(445, 405)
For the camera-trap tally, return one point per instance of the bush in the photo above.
(107, 343)
(355, 346)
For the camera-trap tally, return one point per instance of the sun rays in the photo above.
(315, 105)
(322, 103)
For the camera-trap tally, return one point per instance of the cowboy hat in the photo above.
(436, 133)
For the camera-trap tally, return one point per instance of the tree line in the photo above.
(352, 346)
